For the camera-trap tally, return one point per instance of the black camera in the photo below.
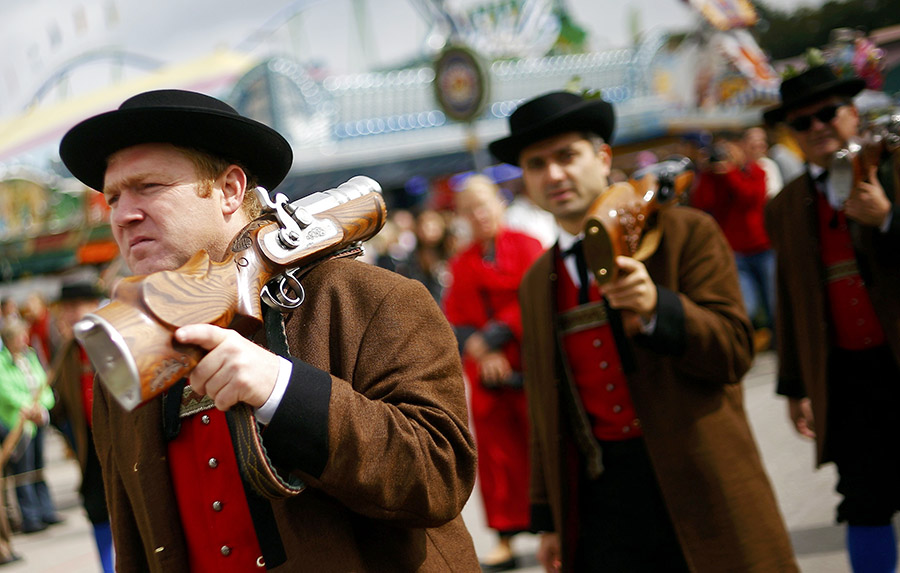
(719, 153)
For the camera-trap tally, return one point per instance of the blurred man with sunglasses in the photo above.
(838, 317)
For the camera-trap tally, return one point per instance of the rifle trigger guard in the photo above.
(289, 294)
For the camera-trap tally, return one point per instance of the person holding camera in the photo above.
(733, 190)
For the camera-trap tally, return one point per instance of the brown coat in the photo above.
(68, 408)
(687, 394)
(386, 481)
(803, 329)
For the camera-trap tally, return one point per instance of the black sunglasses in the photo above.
(804, 122)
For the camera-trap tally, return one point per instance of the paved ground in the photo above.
(806, 498)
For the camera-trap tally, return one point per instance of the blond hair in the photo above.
(12, 327)
(479, 181)
(209, 167)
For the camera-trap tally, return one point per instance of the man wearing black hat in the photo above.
(838, 275)
(643, 459)
(73, 383)
(367, 408)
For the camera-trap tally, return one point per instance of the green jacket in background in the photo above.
(15, 393)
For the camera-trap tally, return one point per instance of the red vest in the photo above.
(215, 516)
(594, 362)
(856, 325)
(87, 387)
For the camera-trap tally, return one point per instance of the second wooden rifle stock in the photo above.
(619, 222)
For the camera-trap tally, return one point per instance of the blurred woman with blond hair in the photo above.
(26, 399)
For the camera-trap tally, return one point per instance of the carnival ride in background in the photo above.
(388, 124)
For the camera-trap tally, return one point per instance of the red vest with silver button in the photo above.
(853, 317)
(594, 362)
(215, 516)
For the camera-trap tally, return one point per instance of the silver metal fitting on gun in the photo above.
(299, 228)
(880, 136)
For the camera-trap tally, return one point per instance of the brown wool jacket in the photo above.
(382, 442)
(687, 394)
(803, 326)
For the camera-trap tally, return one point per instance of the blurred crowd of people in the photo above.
(46, 381)
(737, 173)
(418, 242)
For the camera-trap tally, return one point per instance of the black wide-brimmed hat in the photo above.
(183, 118)
(81, 290)
(552, 114)
(813, 84)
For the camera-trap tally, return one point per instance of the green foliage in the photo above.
(812, 58)
(572, 37)
(785, 35)
(575, 86)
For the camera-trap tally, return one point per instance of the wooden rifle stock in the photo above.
(130, 341)
(619, 222)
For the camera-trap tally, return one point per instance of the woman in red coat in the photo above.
(483, 307)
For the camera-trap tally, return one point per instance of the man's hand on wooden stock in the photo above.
(234, 370)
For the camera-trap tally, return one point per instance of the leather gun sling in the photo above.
(255, 465)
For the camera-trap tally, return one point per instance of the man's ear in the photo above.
(855, 111)
(604, 152)
(234, 185)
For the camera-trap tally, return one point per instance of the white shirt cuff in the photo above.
(887, 222)
(266, 412)
(648, 326)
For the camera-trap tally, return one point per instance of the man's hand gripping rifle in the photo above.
(130, 341)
